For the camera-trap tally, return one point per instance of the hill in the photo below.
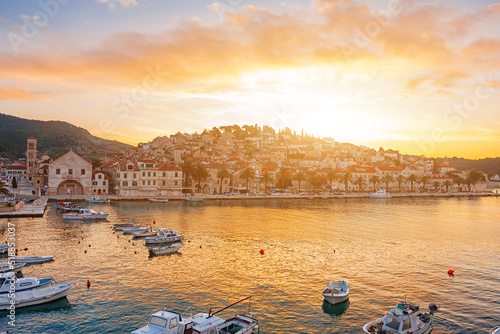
(487, 165)
(54, 138)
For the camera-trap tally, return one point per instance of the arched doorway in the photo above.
(70, 187)
(206, 189)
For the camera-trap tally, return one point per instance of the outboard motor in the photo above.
(433, 308)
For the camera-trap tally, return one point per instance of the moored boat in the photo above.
(165, 250)
(164, 236)
(134, 230)
(97, 199)
(23, 283)
(193, 199)
(4, 248)
(36, 296)
(158, 200)
(145, 234)
(121, 228)
(404, 318)
(495, 330)
(86, 214)
(62, 205)
(336, 292)
(124, 225)
(14, 267)
(166, 322)
(33, 259)
(382, 193)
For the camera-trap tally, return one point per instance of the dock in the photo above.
(35, 209)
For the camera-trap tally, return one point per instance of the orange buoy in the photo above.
(118, 236)
(88, 284)
(261, 251)
(129, 241)
(90, 245)
(78, 241)
(82, 238)
(133, 244)
(450, 272)
(85, 251)
(154, 221)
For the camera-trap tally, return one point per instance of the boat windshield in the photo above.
(158, 321)
(392, 323)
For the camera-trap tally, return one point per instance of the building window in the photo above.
(164, 174)
(143, 174)
(125, 183)
(83, 171)
(135, 175)
(104, 191)
(103, 183)
(99, 176)
(124, 175)
(154, 174)
(58, 171)
(149, 174)
(70, 171)
(154, 183)
(94, 183)
(149, 183)
(175, 182)
(134, 184)
(143, 183)
(163, 182)
(175, 174)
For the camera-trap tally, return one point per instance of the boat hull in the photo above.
(132, 231)
(85, 217)
(164, 240)
(425, 329)
(335, 300)
(36, 297)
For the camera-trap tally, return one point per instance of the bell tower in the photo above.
(31, 158)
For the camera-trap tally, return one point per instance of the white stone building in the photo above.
(70, 174)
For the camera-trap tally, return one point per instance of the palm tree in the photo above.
(200, 173)
(374, 179)
(4, 189)
(447, 184)
(187, 167)
(346, 178)
(360, 182)
(400, 179)
(316, 181)
(299, 177)
(411, 178)
(424, 179)
(284, 178)
(331, 176)
(247, 174)
(470, 181)
(387, 178)
(222, 174)
(267, 178)
(435, 184)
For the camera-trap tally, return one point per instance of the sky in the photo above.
(419, 76)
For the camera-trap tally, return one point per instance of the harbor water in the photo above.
(388, 251)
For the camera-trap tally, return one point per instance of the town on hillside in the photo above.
(238, 160)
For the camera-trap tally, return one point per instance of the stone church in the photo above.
(70, 174)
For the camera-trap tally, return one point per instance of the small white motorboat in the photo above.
(404, 318)
(33, 259)
(145, 234)
(11, 266)
(86, 214)
(121, 228)
(193, 199)
(336, 292)
(380, 194)
(165, 250)
(4, 248)
(166, 322)
(135, 230)
(495, 330)
(36, 296)
(97, 199)
(164, 236)
(23, 283)
(159, 200)
(62, 205)
(125, 225)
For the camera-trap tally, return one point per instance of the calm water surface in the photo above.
(386, 249)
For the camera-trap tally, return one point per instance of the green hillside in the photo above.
(54, 138)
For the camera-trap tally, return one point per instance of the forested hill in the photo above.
(487, 165)
(54, 138)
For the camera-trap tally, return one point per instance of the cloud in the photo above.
(124, 3)
(20, 93)
(404, 43)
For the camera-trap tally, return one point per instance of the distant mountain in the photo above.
(54, 138)
(487, 165)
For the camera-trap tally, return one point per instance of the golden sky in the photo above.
(418, 76)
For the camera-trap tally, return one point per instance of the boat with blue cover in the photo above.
(23, 283)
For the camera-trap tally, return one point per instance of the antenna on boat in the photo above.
(222, 309)
(190, 312)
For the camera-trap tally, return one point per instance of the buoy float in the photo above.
(133, 244)
(82, 231)
(154, 221)
(118, 236)
(200, 246)
(88, 284)
(334, 251)
(135, 252)
(450, 272)
(261, 251)
(82, 238)
(129, 241)
(64, 229)
(125, 247)
(26, 249)
(78, 241)
(90, 245)
(74, 236)
(85, 251)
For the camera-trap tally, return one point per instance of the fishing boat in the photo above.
(72, 208)
(193, 199)
(33, 259)
(86, 214)
(35, 296)
(336, 292)
(12, 266)
(158, 200)
(62, 205)
(380, 194)
(164, 236)
(97, 199)
(404, 318)
(23, 283)
(145, 234)
(121, 228)
(134, 230)
(4, 248)
(165, 250)
(166, 322)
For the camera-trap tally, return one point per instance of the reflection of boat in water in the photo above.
(335, 310)
(380, 194)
